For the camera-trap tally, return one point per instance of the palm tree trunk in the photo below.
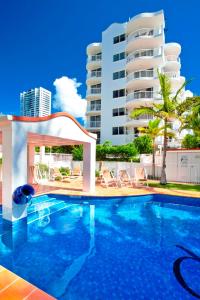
(153, 160)
(163, 179)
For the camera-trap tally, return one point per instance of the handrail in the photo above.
(147, 32)
(140, 74)
(142, 95)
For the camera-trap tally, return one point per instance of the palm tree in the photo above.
(153, 130)
(192, 120)
(171, 108)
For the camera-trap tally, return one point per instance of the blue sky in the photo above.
(42, 40)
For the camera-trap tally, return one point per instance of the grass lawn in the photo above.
(176, 186)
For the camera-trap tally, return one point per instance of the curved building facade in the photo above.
(122, 75)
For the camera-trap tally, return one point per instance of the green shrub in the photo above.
(58, 178)
(143, 144)
(191, 141)
(77, 152)
(65, 171)
(97, 173)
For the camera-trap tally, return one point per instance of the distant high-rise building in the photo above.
(35, 102)
(122, 75)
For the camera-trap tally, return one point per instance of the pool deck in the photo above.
(13, 287)
(74, 187)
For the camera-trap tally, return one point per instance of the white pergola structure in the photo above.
(19, 136)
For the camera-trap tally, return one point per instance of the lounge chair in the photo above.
(140, 177)
(36, 175)
(124, 178)
(55, 173)
(76, 171)
(107, 179)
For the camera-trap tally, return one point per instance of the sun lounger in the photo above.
(140, 177)
(124, 178)
(108, 179)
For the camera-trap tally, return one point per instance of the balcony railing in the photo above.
(94, 91)
(143, 53)
(94, 74)
(140, 74)
(94, 124)
(172, 58)
(94, 58)
(173, 74)
(142, 95)
(145, 32)
(96, 107)
(144, 117)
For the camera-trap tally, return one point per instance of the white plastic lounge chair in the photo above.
(108, 179)
(76, 171)
(140, 177)
(55, 173)
(124, 178)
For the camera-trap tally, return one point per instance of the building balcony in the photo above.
(93, 109)
(172, 63)
(94, 93)
(144, 58)
(145, 38)
(93, 77)
(93, 48)
(142, 98)
(94, 62)
(140, 79)
(141, 121)
(93, 125)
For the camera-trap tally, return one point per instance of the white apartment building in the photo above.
(122, 75)
(35, 102)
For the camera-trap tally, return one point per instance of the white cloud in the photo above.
(67, 97)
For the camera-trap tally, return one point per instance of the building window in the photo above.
(119, 93)
(118, 56)
(119, 111)
(119, 38)
(119, 74)
(118, 130)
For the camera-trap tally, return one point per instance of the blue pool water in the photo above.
(145, 247)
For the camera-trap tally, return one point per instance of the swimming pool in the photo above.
(142, 247)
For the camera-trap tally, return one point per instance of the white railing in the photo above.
(172, 58)
(144, 117)
(143, 53)
(94, 91)
(145, 32)
(173, 74)
(94, 124)
(94, 58)
(142, 95)
(96, 107)
(140, 74)
(93, 74)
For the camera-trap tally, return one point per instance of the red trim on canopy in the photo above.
(53, 116)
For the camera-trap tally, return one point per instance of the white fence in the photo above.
(181, 165)
(55, 160)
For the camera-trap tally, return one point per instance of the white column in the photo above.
(42, 154)
(31, 156)
(14, 144)
(89, 164)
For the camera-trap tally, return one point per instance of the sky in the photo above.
(43, 43)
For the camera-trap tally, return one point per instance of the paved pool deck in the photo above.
(13, 287)
(74, 187)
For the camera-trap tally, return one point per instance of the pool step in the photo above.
(13, 287)
(47, 209)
